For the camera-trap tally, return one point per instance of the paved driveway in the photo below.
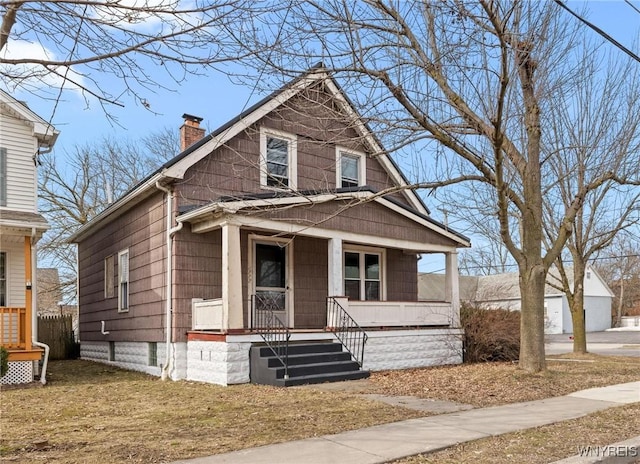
(613, 343)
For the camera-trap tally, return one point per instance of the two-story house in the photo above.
(283, 226)
(23, 136)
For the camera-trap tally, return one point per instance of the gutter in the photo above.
(34, 310)
(171, 231)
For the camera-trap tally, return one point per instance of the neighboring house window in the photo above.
(278, 159)
(123, 280)
(109, 277)
(3, 278)
(350, 168)
(3, 176)
(363, 275)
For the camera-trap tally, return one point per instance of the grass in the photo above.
(543, 444)
(91, 412)
(492, 384)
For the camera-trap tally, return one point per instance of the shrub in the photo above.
(490, 334)
(4, 361)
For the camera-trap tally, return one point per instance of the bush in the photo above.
(490, 334)
(4, 361)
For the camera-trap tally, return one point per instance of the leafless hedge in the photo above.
(490, 334)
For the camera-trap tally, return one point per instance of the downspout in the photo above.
(34, 309)
(171, 231)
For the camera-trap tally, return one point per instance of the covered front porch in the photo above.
(17, 282)
(295, 254)
(339, 267)
(302, 278)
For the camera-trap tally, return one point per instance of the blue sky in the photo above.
(215, 98)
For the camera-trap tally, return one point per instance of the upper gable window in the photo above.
(351, 168)
(278, 159)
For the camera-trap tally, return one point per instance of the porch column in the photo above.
(335, 267)
(452, 289)
(231, 278)
(28, 295)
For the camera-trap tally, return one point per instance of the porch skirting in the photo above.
(224, 359)
(19, 372)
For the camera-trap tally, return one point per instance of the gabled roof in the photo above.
(176, 167)
(44, 132)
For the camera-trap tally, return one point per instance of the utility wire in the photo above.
(600, 31)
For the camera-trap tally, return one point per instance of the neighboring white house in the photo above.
(23, 135)
(503, 291)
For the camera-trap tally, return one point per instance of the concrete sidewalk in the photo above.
(383, 443)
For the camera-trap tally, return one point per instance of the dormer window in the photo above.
(277, 159)
(350, 168)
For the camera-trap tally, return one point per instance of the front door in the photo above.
(270, 271)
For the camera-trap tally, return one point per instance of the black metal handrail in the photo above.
(346, 330)
(274, 333)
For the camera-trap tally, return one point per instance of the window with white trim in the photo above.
(363, 275)
(351, 168)
(278, 159)
(3, 279)
(123, 281)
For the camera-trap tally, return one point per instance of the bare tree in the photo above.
(488, 254)
(77, 187)
(471, 84)
(593, 129)
(109, 50)
(619, 265)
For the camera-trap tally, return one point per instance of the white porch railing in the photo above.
(399, 313)
(206, 314)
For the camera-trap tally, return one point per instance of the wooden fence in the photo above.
(57, 332)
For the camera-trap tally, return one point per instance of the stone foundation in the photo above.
(224, 359)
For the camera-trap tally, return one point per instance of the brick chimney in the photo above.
(190, 132)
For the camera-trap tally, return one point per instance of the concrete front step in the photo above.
(304, 348)
(322, 378)
(307, 363)
(318, 368)
(297, 359)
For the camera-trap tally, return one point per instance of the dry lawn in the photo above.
(91, 412)
(543, 444)
(492, 384)
(94, 413)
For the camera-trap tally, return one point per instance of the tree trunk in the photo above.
(620, 303)
(532, 282)
(577, 309)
